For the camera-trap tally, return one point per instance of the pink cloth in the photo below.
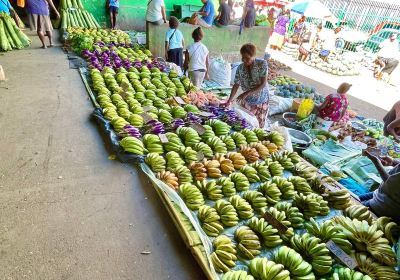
(335, 108)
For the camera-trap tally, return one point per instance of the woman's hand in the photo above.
(57, 14)
(387, 161)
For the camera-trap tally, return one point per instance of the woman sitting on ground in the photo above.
(335, 105)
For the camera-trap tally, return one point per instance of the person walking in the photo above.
(113, 7)
(174, 43)
(39, 19)
(278, 36)
(392, 122)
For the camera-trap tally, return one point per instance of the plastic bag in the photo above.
(278, 105)
(220, 71)
(305, 108)
(285, 133)
(246, 114)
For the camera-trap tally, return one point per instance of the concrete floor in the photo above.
(66, 210)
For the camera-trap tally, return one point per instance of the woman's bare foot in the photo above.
(43, 47)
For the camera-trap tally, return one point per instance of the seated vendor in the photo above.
(392, 122)
(335, 105)
(385, 201)
(224, 15)
(205, 16)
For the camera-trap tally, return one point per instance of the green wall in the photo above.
(132, 12)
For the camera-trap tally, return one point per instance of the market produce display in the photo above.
(338, 64)
(11, 37)
(73, 14)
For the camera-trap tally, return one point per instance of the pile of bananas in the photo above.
(183, 174)
(250, 154)
(132, 145)
(256, 199)
(199, 172)
(229, 142)
(275, 168)
(300, 184)
(227, 212)
(359, 212)
(227, 186)
(250, 173)
(251, 136)
(118, 123)
(263, 269)
(226, 164)
(217, 145)
(294, 157)
(261, 150)
(136, 120)
(269, 235)
(342, 273)
(164, 116)
(224, 255)
(237, 275)
(169, 178)
(271, 192)
(242, 207)
(191, 196)
(188, 154)
(261, 133)
(305, 170)
(294, 263)
(220, 128)
(213, 168)
(327, 231)
(367, 238)
(314, 252)
(155, 161)
(240, 180)
(210, 220)
(188, 135)
(178, 112)
(390, 229)
(293, 214)
(311, 205)
(239, 138)
(237, 159)
(272, 148)
(374, 269)
(262, 171)
(174, 142)
(153, 144)
(286, 187)
(283, 159)
(208, 133)
(276, 138)
(204, 148)
(281, 217)
(248, 243)
(340, 199)
(173, 160)
(210, 189)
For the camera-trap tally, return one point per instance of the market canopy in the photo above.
(312, 8)
(271, 3)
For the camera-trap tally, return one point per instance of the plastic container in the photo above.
(290, 120)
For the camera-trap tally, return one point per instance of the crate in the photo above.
(184, 11)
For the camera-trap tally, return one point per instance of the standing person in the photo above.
(196, 59)
(204, 17)
(299, 28)
(5, 6)
(388, 56)
(334, 108)
(271, 18)
(251, 76)
(278, 36)
(174, 43)
(385, 201)
(113, 7)
(249, 14)
(305, 47)
(224, 15)
(39, 19)
(156, 12)
(329, 37)
(392, 122)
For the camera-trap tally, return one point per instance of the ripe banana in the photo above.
(250, 154)
(169, 178)
(237, 159)
(199, 172)
(213, 168)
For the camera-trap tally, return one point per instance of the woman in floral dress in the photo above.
(251, 76)
(335, 105)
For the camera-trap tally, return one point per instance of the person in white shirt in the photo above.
(388, 55)
(196, 59)
(156, 12)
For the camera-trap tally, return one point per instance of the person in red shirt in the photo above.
(335, 105)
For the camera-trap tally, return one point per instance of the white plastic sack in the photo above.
(278, 105)
(246, 114)
(220, 71)
(285, 133)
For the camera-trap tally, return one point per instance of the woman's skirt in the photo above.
(40, 23)
(277, 40)
(259, 110)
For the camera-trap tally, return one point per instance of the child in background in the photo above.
(113, 6)
(196, 59)
(174, 43)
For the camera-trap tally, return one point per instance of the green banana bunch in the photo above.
(124, 113)
(305, 170)
(276, 138)
(374, 269)
(237, 275)
(189, 155)
(117, 98)
(337, 175)
(250, 173)
(281, 216)
(227, 186)
(367, 238)
(293, 214)
(340, 199)
(285, 186)
(300, 184)
(164, 116)
(118, 123)
(342, 273)
(262, 171)
(256, 199)
(173, 160)
(283, 159)
(178, 112)
(191, 196)
(220, 128)
(359, 212)
(263, 269)
(239, 138)
(314, 252)
(153, 143)
(110, 113)
(261, 133)
(155, 161)
(227, 212)
(189, 136)
(132, 145)
(229, 142)
(174, 142)
(237, 159)
(204, 148)
(136, 120)
(294, 263)
(210, 189)
(271, 192)
(209, 133)
(149, 93)
(294, 157)
(211, 221)
(269, 235)
(251, 136)
(275, 168)
(160, 104)
(183, 174)
(191, 108)
(240, 180)
(242, 207)
(248, 243)
(217, 145)
(224, 255)
(311, 205)
(389, 228)
(328, 231)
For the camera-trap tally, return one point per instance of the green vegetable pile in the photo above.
(11, 37)
(73, 14)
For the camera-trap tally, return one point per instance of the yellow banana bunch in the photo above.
(183, 174)
(275, 168)
(217, 145)
(261, 133)
(261, 150)
(285, 186)
(224, 255)
(174, 142)
(294, 263)
(256, 199)
(375, 270)
(251, 136)
(164, 116)
(132, 145)
(169, 178)
(250, 154)
(227, 186)
(240, 180)
(191, 196)
(153, 144)
(213, 168)
(250, 173)
(272, 148)
(343, 273)
(210, 189)
(300, 184)
(242, 207)
(263, 269)
(269, 235)
(239, 138)
(118, 123)
(237, 159)
(189, 136)
(262, 171)
(229, 142)
(209, 133)
(293, 214)
(155, 161)
(220, 128)
(199, 172)
(271, 192)
(276, 138)
(204, 148)
(188, 154)
(226, 164)
(227, 212)
(237, 275)
(340, 199)
(136, 120)
(389, 228)
(211, 221)
(173, 160)
(359, 212)
(248, 243)
(124, 113)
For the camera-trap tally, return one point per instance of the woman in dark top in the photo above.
(249, 14)
(224, 16)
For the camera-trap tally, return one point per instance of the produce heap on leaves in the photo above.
(11, 37)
